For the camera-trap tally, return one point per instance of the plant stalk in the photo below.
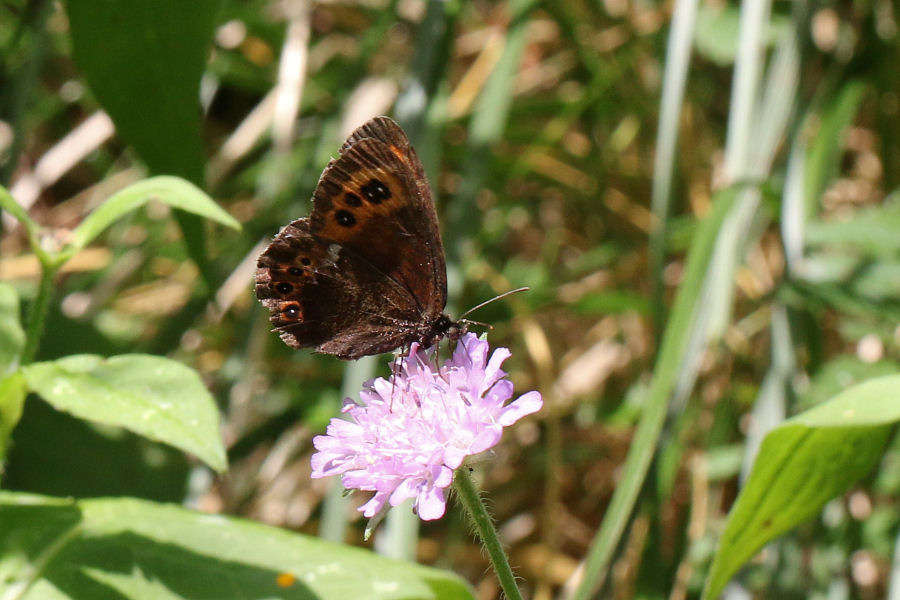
(484, 527)
(37, 316)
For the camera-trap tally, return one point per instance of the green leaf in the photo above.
(173, 191)
(717, 32)
(801, 465)
(143, 59)
(611, 301)
(872, 230)
(12, 398)
(12, 336)
(152, 396)
(9, 204)
(669, 369)
(825, 150)
(125, 548)
(840, 373)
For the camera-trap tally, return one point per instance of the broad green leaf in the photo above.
(152, 396)
(12, 337)
(143, 60)
(840, 373)
(124, 548)
(801, 465)
(12, 398)
(173, 191)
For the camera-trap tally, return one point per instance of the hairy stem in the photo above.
(484, 527)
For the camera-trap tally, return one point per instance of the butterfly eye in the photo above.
(345, 218)
(284, 287)
(375, 191)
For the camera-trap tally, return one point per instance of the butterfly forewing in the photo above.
(365, 273)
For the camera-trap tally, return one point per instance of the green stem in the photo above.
(484, 526)
(37, 316)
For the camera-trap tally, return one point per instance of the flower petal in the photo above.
(374, 505)
(408, 433)
(493, 372)
(488, 438)
(526, 404)
(431, 504)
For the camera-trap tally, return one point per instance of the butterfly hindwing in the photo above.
(321, 297)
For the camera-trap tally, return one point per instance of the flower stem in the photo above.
(38, 314)
(484, 526)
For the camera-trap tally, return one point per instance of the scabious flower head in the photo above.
(410, 432)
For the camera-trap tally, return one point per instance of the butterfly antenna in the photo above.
(495, 298)
(479, 323)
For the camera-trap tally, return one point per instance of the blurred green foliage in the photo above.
(538, 125)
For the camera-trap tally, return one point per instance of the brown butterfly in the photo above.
(365, 273)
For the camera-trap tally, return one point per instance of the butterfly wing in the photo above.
(375, 201)
(323, 297)
(365, 273)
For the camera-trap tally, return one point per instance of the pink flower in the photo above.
(412, 431)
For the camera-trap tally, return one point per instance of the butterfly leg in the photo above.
(395, 369)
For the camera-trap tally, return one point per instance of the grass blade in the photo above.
(666, 375)
(678, 55)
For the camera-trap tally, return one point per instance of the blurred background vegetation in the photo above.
(548, 130)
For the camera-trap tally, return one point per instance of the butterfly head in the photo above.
(457, 329)
(443, 327)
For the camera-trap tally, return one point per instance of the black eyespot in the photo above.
(291, 311)
(297, 271)
(284, 287)
(345, 218)
(305, 261)
(375, 191)
(352, 200)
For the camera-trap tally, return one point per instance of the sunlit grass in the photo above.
(691, 191)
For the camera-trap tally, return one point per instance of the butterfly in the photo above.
(365, 272)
